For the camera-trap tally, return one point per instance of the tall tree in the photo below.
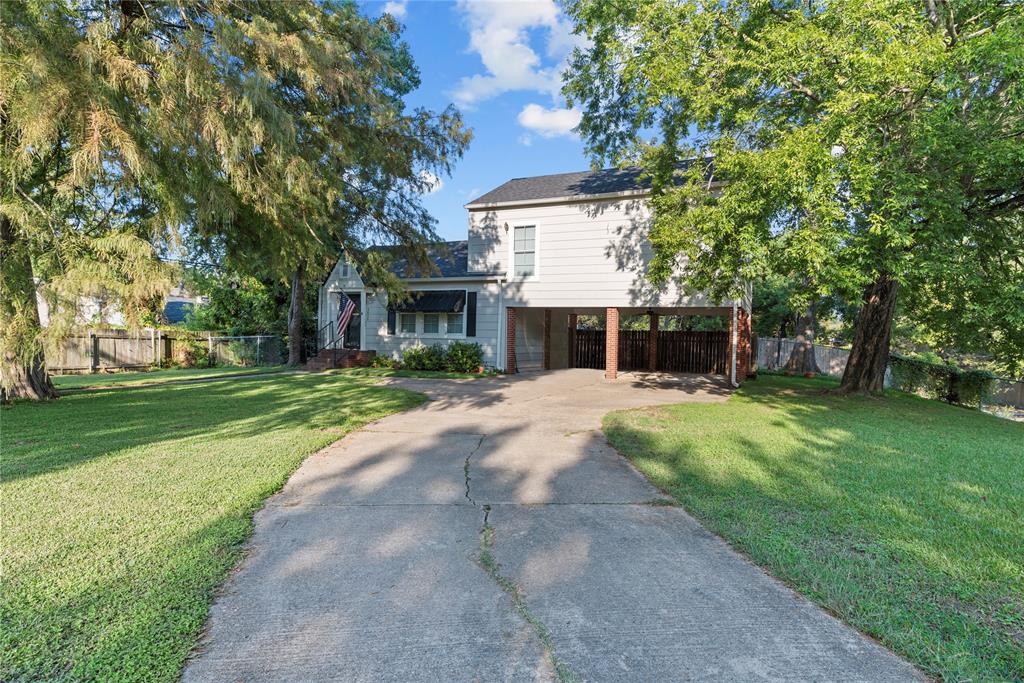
(802, 358)
(872, 148)
(274, 131)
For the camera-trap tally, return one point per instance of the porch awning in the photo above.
(436, 301)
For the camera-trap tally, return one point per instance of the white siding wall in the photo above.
(376, 321)
(485, 251)
(589, 254)
(327, 303)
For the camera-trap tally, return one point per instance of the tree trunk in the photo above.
(865, 369)
(802, 358)
(295, 350)
(22, 366)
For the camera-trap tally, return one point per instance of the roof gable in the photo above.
(580, 183)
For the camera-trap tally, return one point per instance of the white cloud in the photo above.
(435, 183)
(396, 8)
(500, 33)
(526, 140)
(549, 123)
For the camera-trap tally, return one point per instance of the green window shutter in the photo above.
(470, 314)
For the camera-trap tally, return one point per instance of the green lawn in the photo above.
(423, 374)
(115, 379)
(124, 510)
(903, 516)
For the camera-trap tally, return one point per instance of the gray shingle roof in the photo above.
(604, 181)
(450, 258)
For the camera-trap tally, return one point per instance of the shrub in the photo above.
(422, 357)
(242, 353)
(385, 362)
(191, 352)
(463, 357)
(941, 381)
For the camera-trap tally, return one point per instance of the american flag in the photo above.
(345, 311)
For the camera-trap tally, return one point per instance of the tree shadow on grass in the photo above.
(41, 438)
(889, 510)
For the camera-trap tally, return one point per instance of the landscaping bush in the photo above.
(458, 357)
(941, 381)
(385, 362)
(190, 352)
(241, 353)
(422, 357)
(463, 357)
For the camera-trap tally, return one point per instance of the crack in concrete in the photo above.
(465, 467)
(485, 558)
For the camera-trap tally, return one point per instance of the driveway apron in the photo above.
(493, 534)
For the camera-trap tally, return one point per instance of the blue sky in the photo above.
(500, 63)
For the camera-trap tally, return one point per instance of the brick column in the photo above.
(728, 351)
(571, 336)
(652, 343)
(510, 341)
(742, 345)
(547, 338)
(611, 343)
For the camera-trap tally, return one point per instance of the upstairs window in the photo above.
(525, 250)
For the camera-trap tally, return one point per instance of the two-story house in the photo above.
(541, 252)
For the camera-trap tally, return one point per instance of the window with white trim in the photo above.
(524, 247)
(455, 323)
(407, 323)
(431, 323)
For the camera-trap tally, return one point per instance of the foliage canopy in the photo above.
(867, 147)
(269, 132)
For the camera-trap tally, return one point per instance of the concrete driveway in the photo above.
(493, 534)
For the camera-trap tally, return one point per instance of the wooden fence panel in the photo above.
(124, 351)
(699, 352)
(590, 349)
(633, 349)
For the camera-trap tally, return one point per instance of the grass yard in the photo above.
(420, 374)
(127, 379)
(124, 510)
(903, 516)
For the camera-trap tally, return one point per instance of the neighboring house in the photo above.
(540, 252)
(179, 303)
(97, 311)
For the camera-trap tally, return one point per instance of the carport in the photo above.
(551, 338)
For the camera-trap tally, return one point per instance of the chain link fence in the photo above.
(772, 354)
(247, 350)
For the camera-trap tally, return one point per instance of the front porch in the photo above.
(628, 339)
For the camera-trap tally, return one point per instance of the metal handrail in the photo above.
(331, 343)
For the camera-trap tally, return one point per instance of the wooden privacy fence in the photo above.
(698, 352)
(100, 350)
(1007, 392)
(589, 351)
(772, 354)
(633, 349)
(701, 352)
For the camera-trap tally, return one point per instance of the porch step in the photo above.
(328, 359)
